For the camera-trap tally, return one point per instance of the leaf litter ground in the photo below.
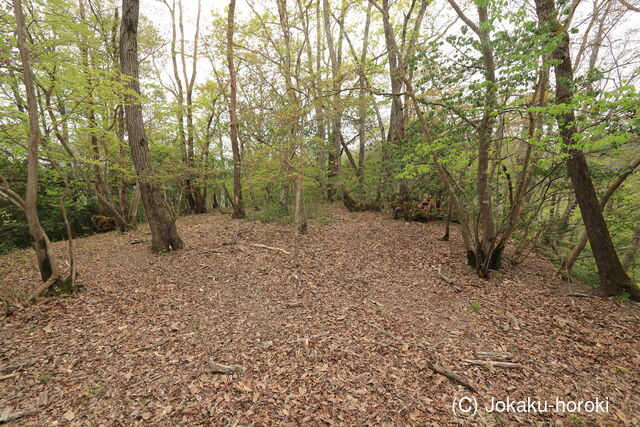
(343, 340)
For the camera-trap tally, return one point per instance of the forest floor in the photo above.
(344, 340)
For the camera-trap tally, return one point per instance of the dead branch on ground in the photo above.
(453, 377)
(259, 245)
(219, 368)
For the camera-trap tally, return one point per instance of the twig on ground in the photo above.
(324, 334)
(443, 277)
(299, 285)
(493, 355)
(219, 368)
(10, 368)
(211, 251)
(580, 295)
(492, 363)
(390, 335)
(294, 304)
(154, 345)
(6, 377)
(453, 377)
(259, 245)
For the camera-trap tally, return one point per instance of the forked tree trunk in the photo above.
(164, 236)
(613, 278)
(39, 239)
(238, 204)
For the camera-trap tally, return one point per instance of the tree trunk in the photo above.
(633, 248)
(39, 239)
(182, 139)
(164, 236)
(487, 244)
(238, 204)
(567, 264)
(613, 278)
(193, 190)
(336, 113)
(362, 108)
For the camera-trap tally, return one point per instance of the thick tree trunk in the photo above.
(164, 236)
(238, 204)
(613, 278)
(39, 239)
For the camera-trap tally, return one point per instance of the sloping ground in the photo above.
(134, 348)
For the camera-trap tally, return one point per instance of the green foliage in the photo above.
(44, 378)
(272, 213)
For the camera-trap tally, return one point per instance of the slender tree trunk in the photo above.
(39, 239)
(633, 249)
(489, 254)
(164, 236)
(336, 113)
(567, 265)
(194, 192)
(613, 278)
(238, 204)
(182, 139)
(362, 108)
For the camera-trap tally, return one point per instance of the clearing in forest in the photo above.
(346, 339)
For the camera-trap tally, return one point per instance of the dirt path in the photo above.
(318, 348)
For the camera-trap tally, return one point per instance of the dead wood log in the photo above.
(453, 377)
(354, 205)
(8, 415)
(493, 355)
(219, 368)
(259, 245)
(492, 364)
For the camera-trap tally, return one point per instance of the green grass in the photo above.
(44, 378)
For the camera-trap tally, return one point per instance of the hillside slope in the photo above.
(343, 340)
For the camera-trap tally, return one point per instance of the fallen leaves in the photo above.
(344, 339)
